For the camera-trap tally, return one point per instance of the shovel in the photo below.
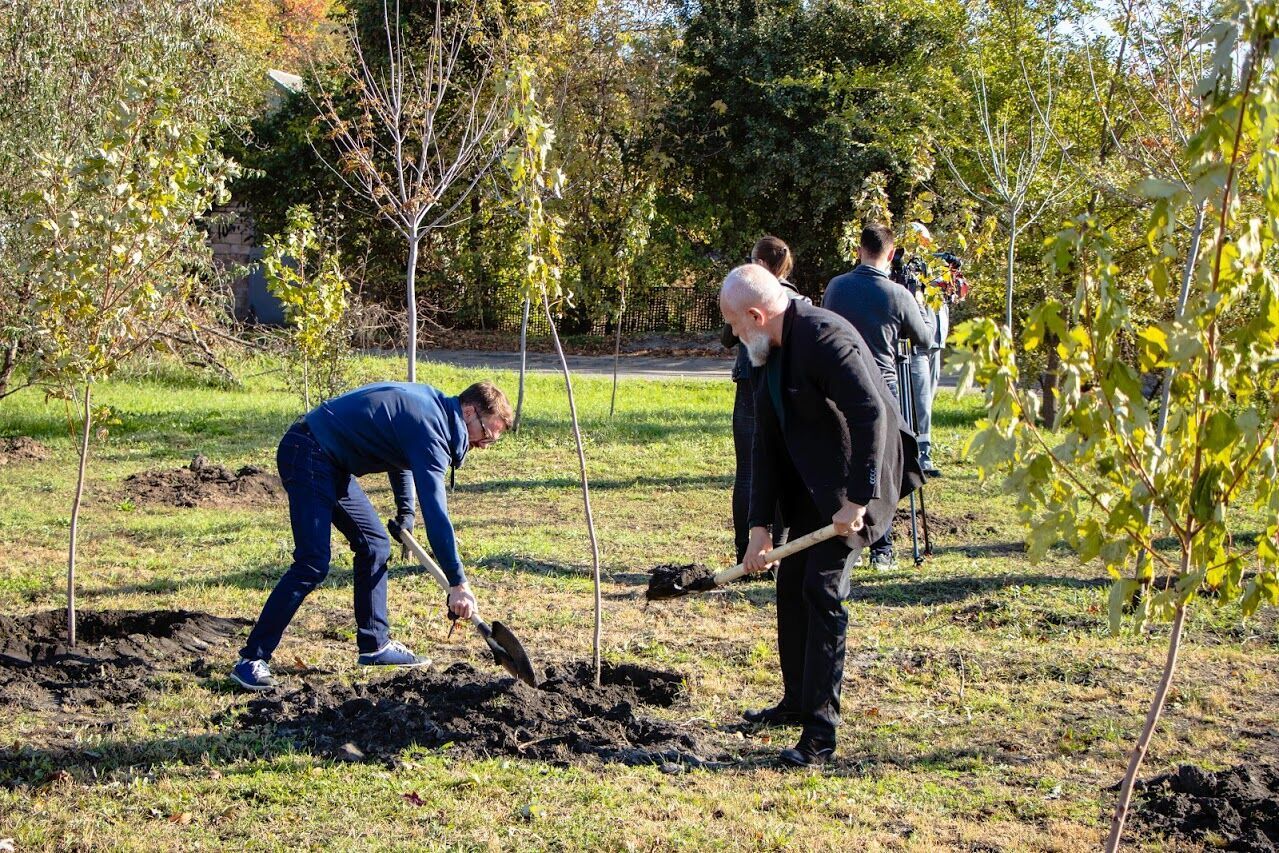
(507, 650)
(673, 584)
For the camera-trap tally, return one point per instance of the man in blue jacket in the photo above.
(413, 433)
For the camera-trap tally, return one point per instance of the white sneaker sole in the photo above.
(422, 662)
(256, 688)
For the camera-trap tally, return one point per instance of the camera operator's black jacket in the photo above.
(838, 432)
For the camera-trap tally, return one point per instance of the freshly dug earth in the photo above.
(22, 449)
(1235, 809)
(116, 656)
(668, 579)
(203, 484)
(563, 718)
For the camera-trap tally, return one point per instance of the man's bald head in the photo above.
(752, 286)
(753, 302)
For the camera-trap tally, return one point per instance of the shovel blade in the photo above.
(508, 653)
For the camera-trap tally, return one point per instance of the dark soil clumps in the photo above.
(670, 580)
(116, 655)
(203, 484)
(22, 449)
(564, 718)
(1235, 809)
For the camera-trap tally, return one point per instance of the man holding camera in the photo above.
(830, 448)
(882, 311)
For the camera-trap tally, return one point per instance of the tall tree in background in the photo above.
(783, 108)
(422, 120)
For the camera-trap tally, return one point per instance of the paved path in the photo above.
(632, 367)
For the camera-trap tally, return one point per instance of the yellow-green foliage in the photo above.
(308, 281)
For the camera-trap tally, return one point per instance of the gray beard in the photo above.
(758, 349)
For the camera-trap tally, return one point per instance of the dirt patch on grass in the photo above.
(204, 484)
(563, 718)
(116, 655)
(22, 449)
(1235, 809)
(964, 524)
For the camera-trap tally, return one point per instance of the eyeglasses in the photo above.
(489, 438)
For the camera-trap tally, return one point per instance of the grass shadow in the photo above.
(715, 481)
(885, 591)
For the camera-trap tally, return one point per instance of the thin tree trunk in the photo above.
(1165, 396)
(306, 383)
(410, 282)
(617, 353)
(75, 516)
(1008, 279)
(1152, 720)
(586, 491)
(519, 400)
(1050, 379)
(8, 365)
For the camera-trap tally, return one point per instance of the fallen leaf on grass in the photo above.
(181, 818)
(872, 711)
(301, 664)
(413, 799)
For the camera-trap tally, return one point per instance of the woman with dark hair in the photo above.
(775, 256)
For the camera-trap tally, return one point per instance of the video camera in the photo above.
(912, 274)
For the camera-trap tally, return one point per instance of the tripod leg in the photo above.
(904, 403)
(908, 405)
(923, 516)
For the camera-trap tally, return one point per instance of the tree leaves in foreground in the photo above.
(1213, 484)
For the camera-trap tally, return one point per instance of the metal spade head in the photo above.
(508, 652)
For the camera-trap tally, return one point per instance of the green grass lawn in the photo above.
(985, 705)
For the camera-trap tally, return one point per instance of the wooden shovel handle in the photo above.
(436, 572)
(779, 553)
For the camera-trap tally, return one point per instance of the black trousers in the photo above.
(812, 622)
(743, 438)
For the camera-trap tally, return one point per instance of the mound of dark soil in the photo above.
(478, 715)
(116, 655)
(22, 449)
(668, 580)
(1235, 809)
(203, 484)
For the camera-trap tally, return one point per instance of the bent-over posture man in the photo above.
(412, 432)
(831, 447)
(881, 310)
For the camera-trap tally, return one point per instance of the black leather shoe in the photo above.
(930, 471)
(777, 715)
(807, 753)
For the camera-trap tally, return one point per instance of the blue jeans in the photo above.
(925, 371)
(322, 495)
